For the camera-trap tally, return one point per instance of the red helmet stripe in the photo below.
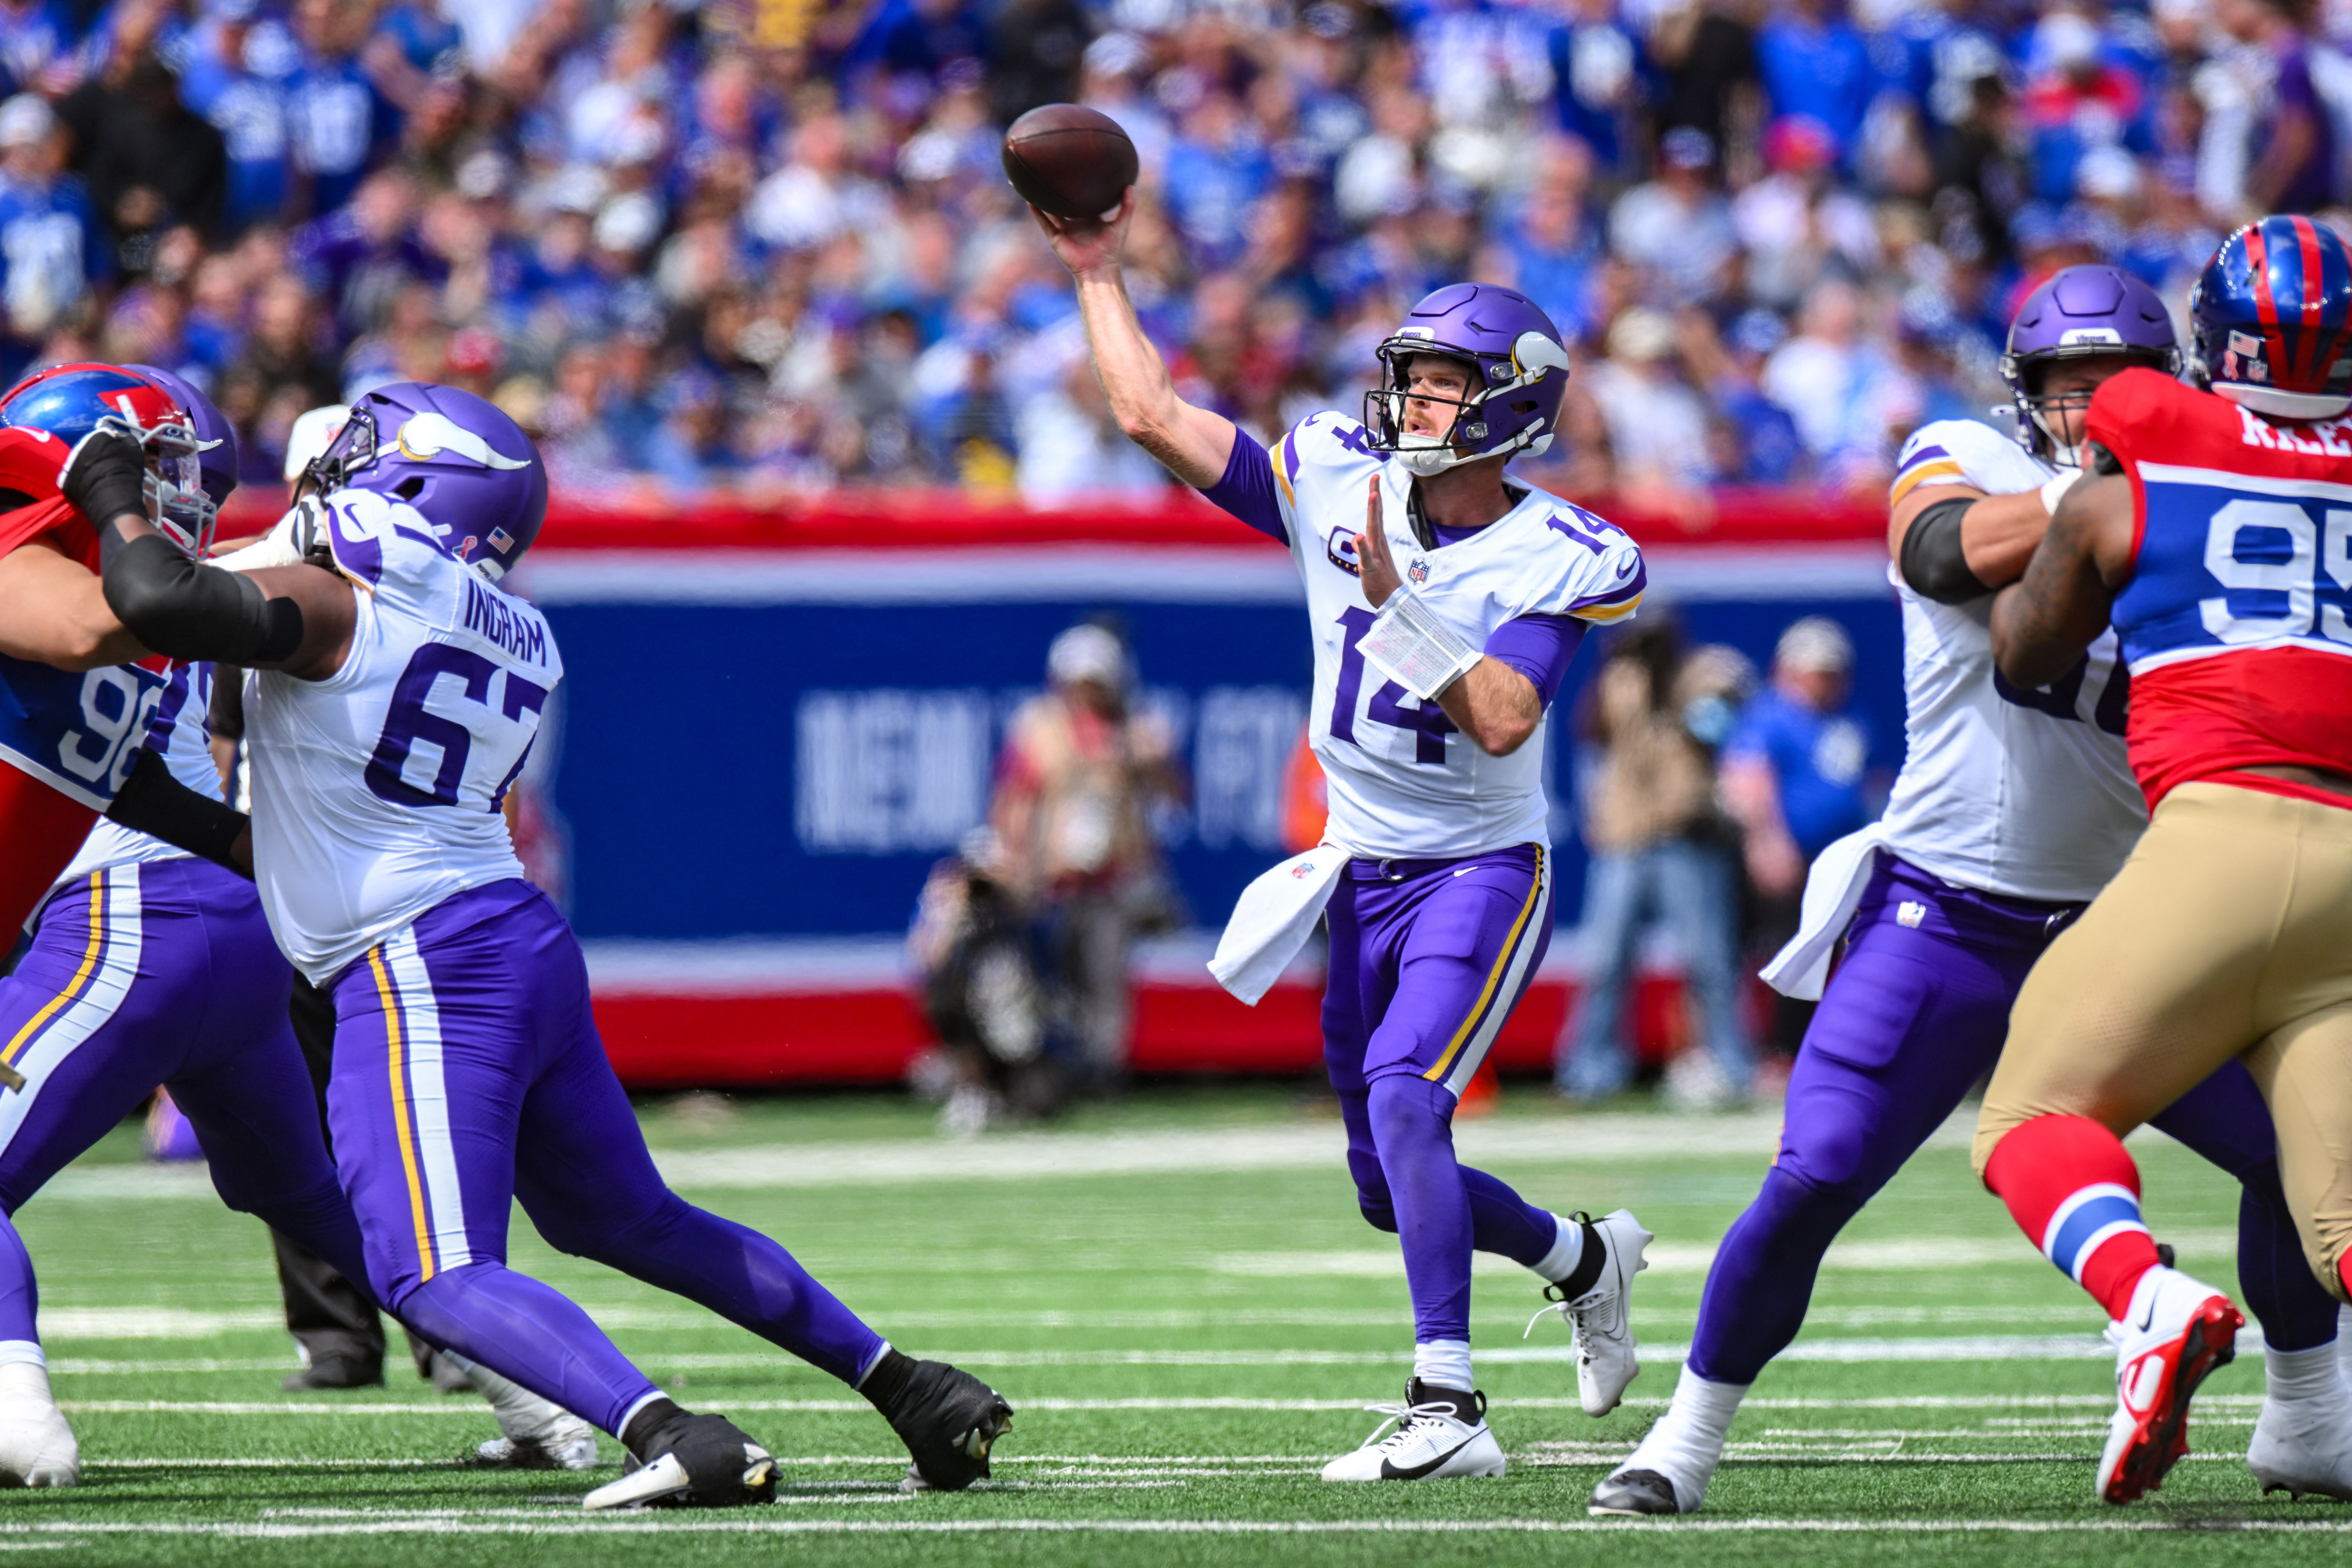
(2315, 287)
(2265, 302)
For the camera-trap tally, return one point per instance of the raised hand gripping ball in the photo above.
(1068, 161)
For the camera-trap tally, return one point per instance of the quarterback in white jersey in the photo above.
(1444, 601)
(399, 688)
(2014, 809)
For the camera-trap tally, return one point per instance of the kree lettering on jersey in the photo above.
(2329, 441)
(494, 616)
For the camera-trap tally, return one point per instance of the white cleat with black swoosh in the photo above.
(1440, 1433)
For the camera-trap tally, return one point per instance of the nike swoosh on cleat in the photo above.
(1391, 1471)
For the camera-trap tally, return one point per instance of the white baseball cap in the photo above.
(1815, 643)
(24, 119)
(309, 438)
(1086, 652)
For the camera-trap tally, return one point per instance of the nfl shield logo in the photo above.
(1418, 570)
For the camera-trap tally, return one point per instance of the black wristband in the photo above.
(1934, 562)
(188, 610)
(151, 801)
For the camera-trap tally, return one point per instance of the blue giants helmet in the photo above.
(70, 401)
(2273, 313)
(1521, 375)
(453, 456)
(216, 456)
(2081, 313)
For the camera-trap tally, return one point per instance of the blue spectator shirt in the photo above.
(32, 40)
(1209, 194)
(249, 111)
(337, 120)
(1817, 759)
(1822, 72)
(51, 248)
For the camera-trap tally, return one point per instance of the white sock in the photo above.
(2293, 1376)
(28, 1351)
(1567, 1252)
(25, 1380)
(2344, 1344)
(1687, 1442)
(1443, 1364)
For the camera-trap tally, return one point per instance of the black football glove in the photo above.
(106, 476)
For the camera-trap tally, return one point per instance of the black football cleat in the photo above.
(949, 1419)
(692, 1461)
(335, 1371)
(1633, 1494)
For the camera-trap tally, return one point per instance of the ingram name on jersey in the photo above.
(376, 792)
(1402, 780)
(2027, 794)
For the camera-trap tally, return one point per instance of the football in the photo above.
(1070, 161)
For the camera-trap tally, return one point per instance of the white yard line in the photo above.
(458, 1523)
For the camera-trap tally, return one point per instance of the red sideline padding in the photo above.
(869, 1036)
(913, 519)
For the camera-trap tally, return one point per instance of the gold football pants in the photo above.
(2226, 933)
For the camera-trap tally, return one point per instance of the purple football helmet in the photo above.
(453, 456)
(1521, 375)
(2081, 313)
(216, 456)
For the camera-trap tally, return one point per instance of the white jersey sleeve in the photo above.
(2025, 794)
(1403, 783)
(377, 791)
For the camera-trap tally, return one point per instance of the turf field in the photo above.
(1180, 1299)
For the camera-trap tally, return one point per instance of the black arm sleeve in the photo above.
(1933, 562)
(188, 610)
(151, 801)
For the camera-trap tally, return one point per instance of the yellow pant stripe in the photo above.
(1494, 976)
(401, 1130)
(57, 1004)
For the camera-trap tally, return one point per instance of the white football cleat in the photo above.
(1432, 1442)
(2304, 1446)
(1603, 1316)
(37, 1447)
(2178, 1331)
(538, 1435)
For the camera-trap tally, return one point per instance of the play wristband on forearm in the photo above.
(1407, 643)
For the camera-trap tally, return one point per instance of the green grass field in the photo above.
(1179, 1296)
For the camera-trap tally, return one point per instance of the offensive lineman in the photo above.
(2219, 554)
(1406, 532)
(394, 695)
(2015, 806)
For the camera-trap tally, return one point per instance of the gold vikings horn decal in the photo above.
(433, 435)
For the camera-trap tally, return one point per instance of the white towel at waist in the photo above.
(1273, 919)
(1832, 891)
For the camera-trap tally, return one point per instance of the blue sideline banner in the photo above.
(778, 744)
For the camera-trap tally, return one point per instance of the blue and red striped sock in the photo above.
(2075, 1193)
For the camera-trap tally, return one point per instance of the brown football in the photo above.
(1070, 161)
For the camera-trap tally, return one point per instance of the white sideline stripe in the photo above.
(1215, 575)
(1694, 1258)
(1612, 1139)
(454, 1523)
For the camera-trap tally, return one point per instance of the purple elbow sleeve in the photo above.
(1247, 489)
(1538, 646)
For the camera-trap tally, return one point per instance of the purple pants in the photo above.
(161, 974)
(1913, 1016)
(468, 1075)
(1428, 958)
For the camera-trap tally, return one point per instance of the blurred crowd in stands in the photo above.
(767, 245)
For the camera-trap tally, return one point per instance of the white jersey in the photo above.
(376, 792)
(1402, 782)
(2027, 794)
(180, 729)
